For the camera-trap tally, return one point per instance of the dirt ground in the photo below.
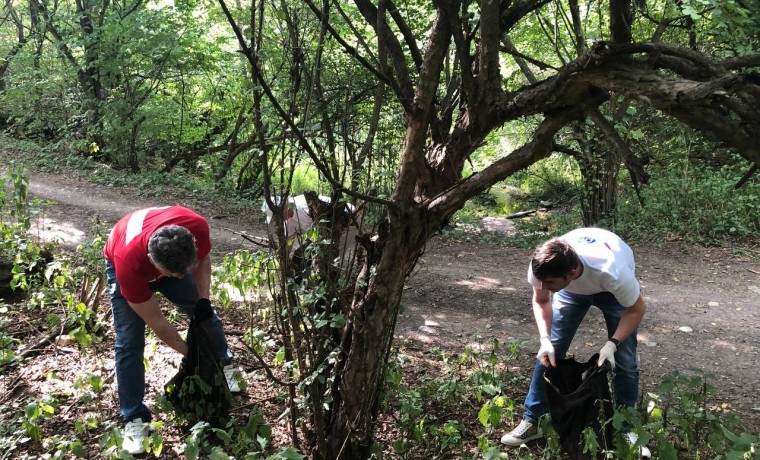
(464, 290)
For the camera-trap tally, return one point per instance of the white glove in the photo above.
(546, 352)
(607, 353)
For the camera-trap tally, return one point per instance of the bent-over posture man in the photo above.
(569, 274)
(151, 250)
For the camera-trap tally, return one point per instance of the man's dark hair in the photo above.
(173, 247)
(554, 259)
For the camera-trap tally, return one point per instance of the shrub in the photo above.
(694, 204)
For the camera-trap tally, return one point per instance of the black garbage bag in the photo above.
(199, 391)
(579, 397)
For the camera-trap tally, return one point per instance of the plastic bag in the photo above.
(199, 391)
(579, 397)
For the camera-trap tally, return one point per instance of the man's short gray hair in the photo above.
(173, 247)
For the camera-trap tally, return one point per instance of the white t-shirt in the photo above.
(608, 265)
(299, 223)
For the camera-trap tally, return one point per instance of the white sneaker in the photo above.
(231, 375)
(135, 433)
(631, 439)
(523, 433)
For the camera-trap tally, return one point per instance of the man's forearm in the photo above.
(630, 320)
(150, 312)
(543, 314)
(628, 323)
(202, 277)
(169, 335)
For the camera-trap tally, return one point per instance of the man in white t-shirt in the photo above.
(296, 218)
(297, 222)
(569, 274)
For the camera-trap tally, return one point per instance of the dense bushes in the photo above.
(693, 203)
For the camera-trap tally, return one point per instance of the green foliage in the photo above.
(423, 409)
(249, 442)
(305, 178)
(535, 230)
(178, 184)
(7, 343)
(693, 203)
(679, 417)
(43, 278)
(241, 277)
(89, 254)
(48, 157)
(35, 412)
(90, 386)
(16, 247)
(732, 25)
(552, 179)
(687, 200)
(25, 424)
(41, 99)
(497, 201)
(162, 87)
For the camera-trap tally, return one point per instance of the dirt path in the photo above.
(466, 290)
(75, 206)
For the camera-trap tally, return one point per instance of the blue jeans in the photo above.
(568, 311)
(130, 338)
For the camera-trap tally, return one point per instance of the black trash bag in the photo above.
(579, 397)
(199, 391)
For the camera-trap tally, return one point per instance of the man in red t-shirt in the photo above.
(151, 250)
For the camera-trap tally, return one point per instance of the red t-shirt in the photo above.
(127, 246)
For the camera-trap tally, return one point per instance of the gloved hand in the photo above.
(546, 352)
(607, 353)
(203, 310)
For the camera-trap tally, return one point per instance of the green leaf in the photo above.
(493, 453)
(489, 414)
(491, 389)
(218, 454)
(287, 454)
(77, 449)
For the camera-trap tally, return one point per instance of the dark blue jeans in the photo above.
(568, 310)
(130, 338)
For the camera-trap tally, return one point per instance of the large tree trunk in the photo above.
(373, 320)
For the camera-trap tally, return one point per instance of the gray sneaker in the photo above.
(524, 432)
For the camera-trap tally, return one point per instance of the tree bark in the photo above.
(373, 320)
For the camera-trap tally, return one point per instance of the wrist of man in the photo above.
(615, 341)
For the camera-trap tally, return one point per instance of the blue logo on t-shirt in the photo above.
(586, 239)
